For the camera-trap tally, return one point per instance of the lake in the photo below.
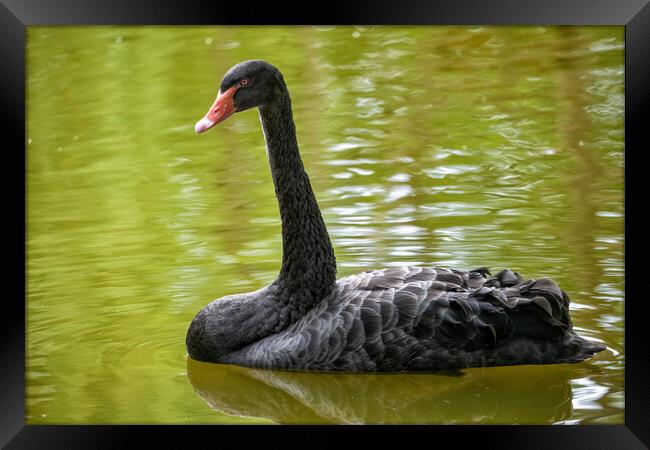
(446, 146)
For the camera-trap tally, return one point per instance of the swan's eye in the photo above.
(245, 82)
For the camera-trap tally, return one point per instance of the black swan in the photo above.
(396, 319)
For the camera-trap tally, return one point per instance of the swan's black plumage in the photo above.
(396, 319)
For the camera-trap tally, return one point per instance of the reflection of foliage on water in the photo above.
(454, 146)
(513, 395)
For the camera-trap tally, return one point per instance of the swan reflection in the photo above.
(503, 395)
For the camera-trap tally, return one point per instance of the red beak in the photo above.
(222, 108)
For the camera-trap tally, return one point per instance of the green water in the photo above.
(449, 146)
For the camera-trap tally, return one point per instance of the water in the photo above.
(449, 146)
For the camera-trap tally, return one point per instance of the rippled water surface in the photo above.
(448, 146)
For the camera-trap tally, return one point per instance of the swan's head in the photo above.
(246, 85)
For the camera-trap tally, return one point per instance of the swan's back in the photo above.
(424, 318)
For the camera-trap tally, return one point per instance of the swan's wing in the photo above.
(420, 317)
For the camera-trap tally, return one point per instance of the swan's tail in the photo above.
(578, 349)
(550, 319)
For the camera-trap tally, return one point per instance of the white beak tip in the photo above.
(203, 125)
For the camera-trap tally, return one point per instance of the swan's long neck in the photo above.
(308, 264)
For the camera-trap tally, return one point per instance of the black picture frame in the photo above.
(15, 15)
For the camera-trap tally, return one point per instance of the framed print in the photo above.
(433, 210)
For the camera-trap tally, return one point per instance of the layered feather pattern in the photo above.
(425, 318)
